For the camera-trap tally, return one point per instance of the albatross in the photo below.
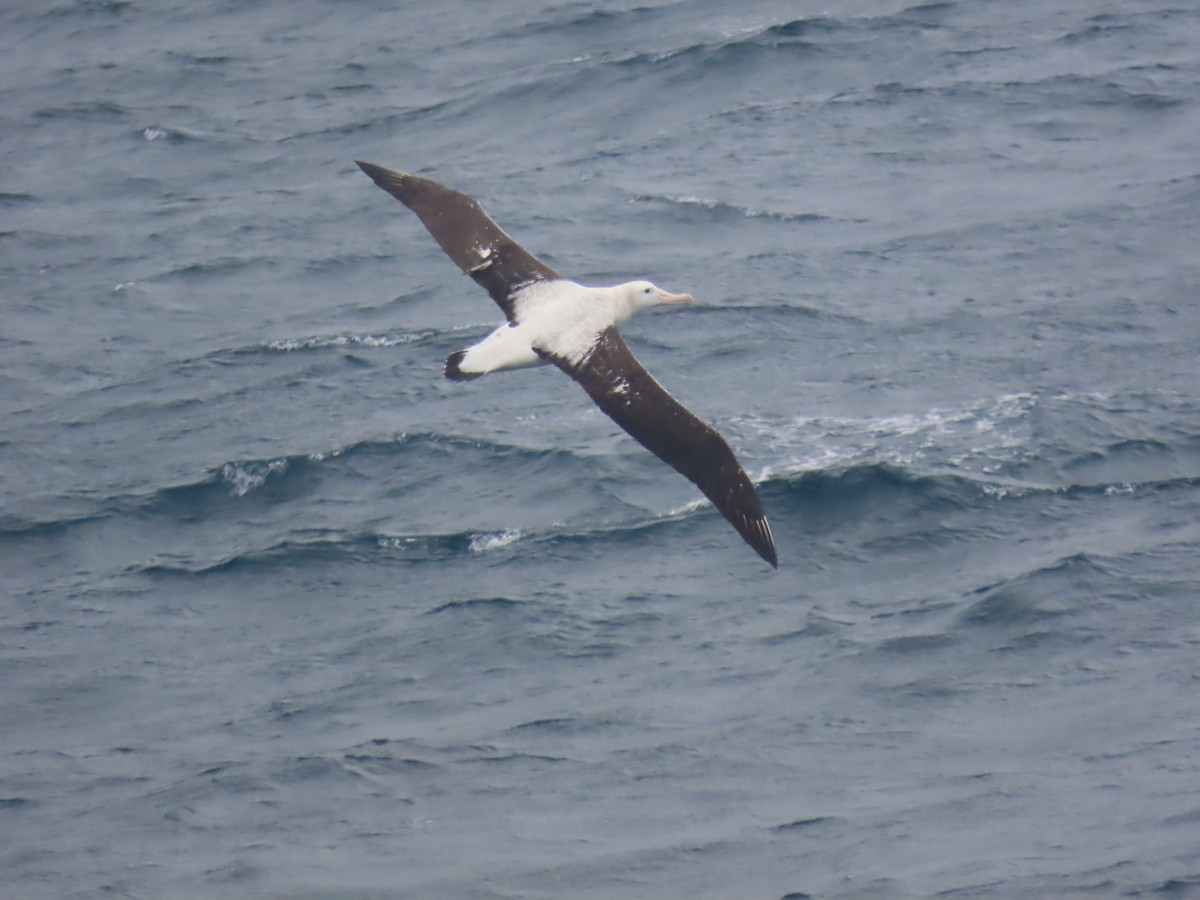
(552, 319)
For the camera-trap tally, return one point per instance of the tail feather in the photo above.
(454, 367)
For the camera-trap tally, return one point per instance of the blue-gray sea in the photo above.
(284, 613)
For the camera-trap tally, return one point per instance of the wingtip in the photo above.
(768, 553)
(454, 370)
(762, 540)
(381, 175)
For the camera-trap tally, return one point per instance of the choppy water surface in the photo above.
(287, 614)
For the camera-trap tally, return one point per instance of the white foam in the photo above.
(689, 507)
(347, 340)
(494, 540)
(982, 435)
(246, 477)
(395, 543)
(322, 455)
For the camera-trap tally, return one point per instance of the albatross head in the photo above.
(640, 295)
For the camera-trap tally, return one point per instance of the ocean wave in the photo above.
(244, 478)
(291, 473)
(213, 268)
(721, 209)
(163, 132)
(1107, 90)
(498, 603)
(496, 540)
(17, 528)
(802, 35)
(643, 19)
(185, 58)
(295, 553)
(1011, 442)
(727, 52)
(769, 313)
(847, 500)
(1122, 25)
(340, 340)
(84, 109)
(844, 488)
(322, 342)
(317, 548)
(609, 69)
(382, 122)
(821, 468)
(1100, 90)
(227, 488)
(716, 57)
(981, 437)
(87, 8)
(1048, 592)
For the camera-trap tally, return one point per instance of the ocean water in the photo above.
(286, 614)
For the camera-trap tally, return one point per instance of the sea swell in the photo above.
(899, 479)
(201, 528)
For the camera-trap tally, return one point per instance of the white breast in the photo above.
(564, 318)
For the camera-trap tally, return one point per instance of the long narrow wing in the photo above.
(619, 385)
(477, 245)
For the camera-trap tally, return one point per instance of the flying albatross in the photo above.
(554, 320)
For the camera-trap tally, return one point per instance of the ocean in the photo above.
(288, 614)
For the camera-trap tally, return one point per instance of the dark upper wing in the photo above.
(468, 235)
(614, 378)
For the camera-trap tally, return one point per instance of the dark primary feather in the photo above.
(619, 385)
(477, 245)
(454, 370)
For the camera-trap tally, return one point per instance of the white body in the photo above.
(561, 318)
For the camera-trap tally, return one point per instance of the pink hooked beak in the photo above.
(668, 297)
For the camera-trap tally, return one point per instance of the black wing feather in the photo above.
(627, 393)
(477, 245)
